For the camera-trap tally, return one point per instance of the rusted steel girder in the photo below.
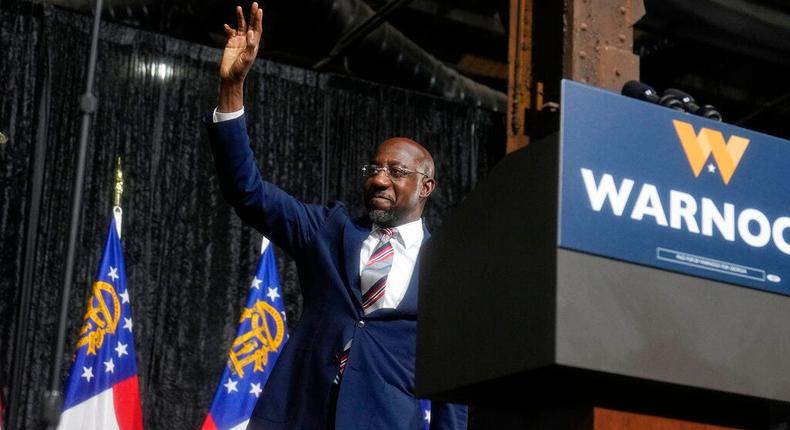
(599, 41)
(519, 92)
(596, 48)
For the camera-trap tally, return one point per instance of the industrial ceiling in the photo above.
(729, 53)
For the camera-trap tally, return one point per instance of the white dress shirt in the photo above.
(407, 248)
(227, 116)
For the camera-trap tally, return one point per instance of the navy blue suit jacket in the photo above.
(377, 391)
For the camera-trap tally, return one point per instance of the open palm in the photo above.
(242, 45)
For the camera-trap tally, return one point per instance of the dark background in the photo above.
(189, 259)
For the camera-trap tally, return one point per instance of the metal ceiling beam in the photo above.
(388, 56)
(360, 31)
(458, 15)
(481, 66)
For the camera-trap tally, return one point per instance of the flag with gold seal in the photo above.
(261, 334)
(102, 388)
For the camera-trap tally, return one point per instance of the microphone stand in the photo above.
(53, 397)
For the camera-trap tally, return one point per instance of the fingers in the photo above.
(252, 33)
(229, 31)
(241, 25)
(256, 28)
(254, 14)
(252, 42)
(257, 24)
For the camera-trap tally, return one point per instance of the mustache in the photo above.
(379, 194)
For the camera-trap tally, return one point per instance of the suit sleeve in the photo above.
(448, 416)
(288, 222)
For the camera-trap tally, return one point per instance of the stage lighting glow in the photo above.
(162, 71)
(156, 70)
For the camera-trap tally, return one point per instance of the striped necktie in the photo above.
(374, 276)
(373, 281)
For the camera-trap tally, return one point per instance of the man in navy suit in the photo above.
(350, 362)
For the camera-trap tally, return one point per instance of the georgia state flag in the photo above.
(425, 405)
(261, 334)
(102, 392)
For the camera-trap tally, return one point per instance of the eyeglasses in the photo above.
(371, 170)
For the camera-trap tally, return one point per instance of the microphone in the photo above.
(706, 111)
(640, 91)
(672, 98)
(688, 102)
(672, 101)
(709, 112)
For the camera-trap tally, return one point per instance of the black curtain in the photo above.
(189, 259)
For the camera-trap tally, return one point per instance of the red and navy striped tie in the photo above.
(342, 362)
(374, 276)
(373, 281)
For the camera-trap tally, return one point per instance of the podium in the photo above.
(625, 272)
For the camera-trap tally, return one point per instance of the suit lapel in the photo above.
(353, 236)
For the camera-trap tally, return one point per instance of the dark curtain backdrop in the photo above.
(189, 259)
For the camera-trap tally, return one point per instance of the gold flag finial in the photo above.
(118, 190)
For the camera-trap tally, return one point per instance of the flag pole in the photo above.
(118, 189)
(117, 194)
(53, 397)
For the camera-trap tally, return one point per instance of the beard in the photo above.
(384, 218)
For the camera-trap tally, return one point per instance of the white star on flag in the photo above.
(113, 273)
(231, 385)
(427, 417)
(124, 296)
(711, 168)
(256, 389)
(127, 323)
(109, 366)
(87, 373)
(272, 294)
(121, 349)
(256, 283)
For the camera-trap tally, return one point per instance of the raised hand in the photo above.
(242, 45)
(238, 57)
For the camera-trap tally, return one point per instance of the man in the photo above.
(350, 362)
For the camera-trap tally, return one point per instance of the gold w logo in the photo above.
(698, 148)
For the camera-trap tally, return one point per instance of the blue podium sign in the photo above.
(649, 185)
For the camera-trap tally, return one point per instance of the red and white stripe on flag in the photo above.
(116, 408)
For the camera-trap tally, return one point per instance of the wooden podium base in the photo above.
(581, 418)
(610, 419)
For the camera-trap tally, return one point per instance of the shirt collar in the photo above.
(410, 233)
